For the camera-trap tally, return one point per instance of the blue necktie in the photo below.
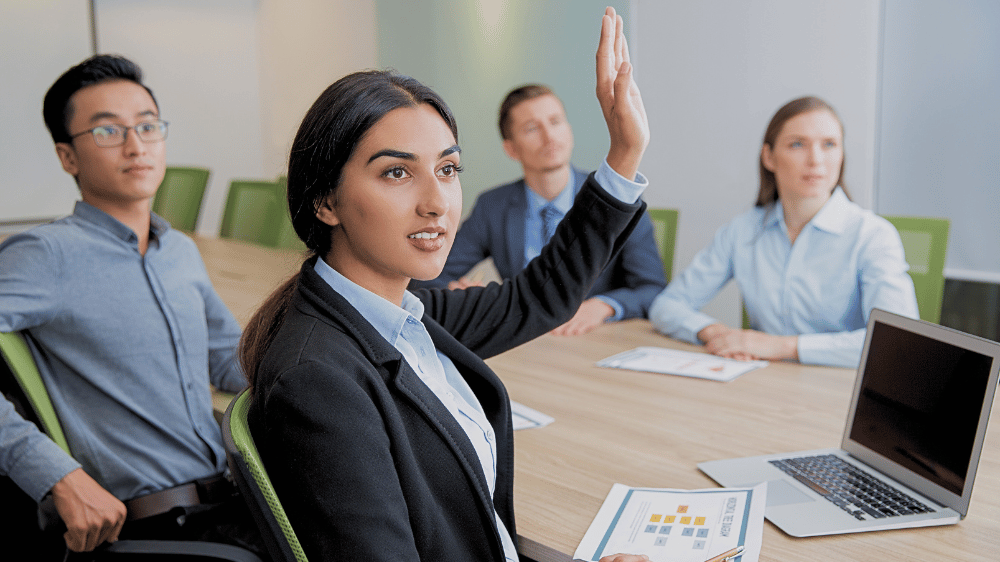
(550, 219)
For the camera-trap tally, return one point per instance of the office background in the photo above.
(914, 83)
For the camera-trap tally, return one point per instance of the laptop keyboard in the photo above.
(850, 488)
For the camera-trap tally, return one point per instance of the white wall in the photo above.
(712, 74)
(33, 184)
(235, 77)
(199, 58)
(304, 46)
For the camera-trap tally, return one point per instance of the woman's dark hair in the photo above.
(57, 109)
(768, 192)
(331, 130)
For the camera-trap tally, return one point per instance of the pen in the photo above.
(728, 555)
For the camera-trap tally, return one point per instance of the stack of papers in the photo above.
(527, 418)
(677, 525)
(676, 362)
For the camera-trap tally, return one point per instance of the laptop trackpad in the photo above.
(781, 492)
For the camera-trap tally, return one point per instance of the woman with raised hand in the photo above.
(810, 263)
(385, 434)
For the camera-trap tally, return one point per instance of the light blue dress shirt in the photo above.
(127, 345)
(822, 288)
(403, 329)
(562, 203)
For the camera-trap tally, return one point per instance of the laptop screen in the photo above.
(919, 403)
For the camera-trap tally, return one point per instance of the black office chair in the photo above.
(255, 485)
(23, 386)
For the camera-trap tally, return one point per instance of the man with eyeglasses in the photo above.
(127, 332)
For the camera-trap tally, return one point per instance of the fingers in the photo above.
(606, 62)
(625, 558)
(621, 46)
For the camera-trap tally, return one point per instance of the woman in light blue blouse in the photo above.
(810, 263)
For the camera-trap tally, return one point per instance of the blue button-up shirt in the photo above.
(127, 345)
(822, 288)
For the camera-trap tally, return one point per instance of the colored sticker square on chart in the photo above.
(670, 519)
(651, 528)
(698, 545)
(661, 541)
(689, 532)
(685, 520)
(699, 520)
(665, 530)
(682, 509)
(655, 518)
(702, 533)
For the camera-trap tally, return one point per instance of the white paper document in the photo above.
(677, 525)
(676, 362)
(526, 418)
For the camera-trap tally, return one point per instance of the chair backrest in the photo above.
(665, 231)
(287, 238)
(178, 200)
(253, 212)
(22, 365)
(925, 241)
(255, 485)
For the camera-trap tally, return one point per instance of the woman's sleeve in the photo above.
(329, 459)
(490, 320)
(676, 310)
(885, 284)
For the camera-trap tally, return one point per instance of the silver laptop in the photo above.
(911, 447)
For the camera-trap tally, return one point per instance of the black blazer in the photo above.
(367, 462)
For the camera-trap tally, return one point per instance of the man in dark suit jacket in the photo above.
(512, 222)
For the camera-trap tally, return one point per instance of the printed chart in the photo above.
(677, 362)
(677, 525)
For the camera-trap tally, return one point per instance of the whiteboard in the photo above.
(938, 145)
(39, 41)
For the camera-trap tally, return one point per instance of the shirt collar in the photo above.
(387, 318)
(832, 216)
(87, 212)
(563, 202)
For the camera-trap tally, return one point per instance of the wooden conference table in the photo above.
(643, 429)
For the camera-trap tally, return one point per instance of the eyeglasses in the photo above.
(108, 136)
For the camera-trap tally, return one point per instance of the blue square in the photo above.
(702, 533)
(650, 528)
(665, 530)
(688, 532)
(660, 541)
(698, 545)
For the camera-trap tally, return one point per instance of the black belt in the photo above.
(210, 490)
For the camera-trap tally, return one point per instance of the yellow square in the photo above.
(655, 518)
(670, 519)
(685, 520)
(699, 520)
(682, 509)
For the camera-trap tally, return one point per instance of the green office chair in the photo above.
(287, 238)
(178, 200)
(35, 401)
(255, 485)
(665, 231)
(22, 367)
(925, 241)
(253, 212)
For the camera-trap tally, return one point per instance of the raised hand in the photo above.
(620, 100)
